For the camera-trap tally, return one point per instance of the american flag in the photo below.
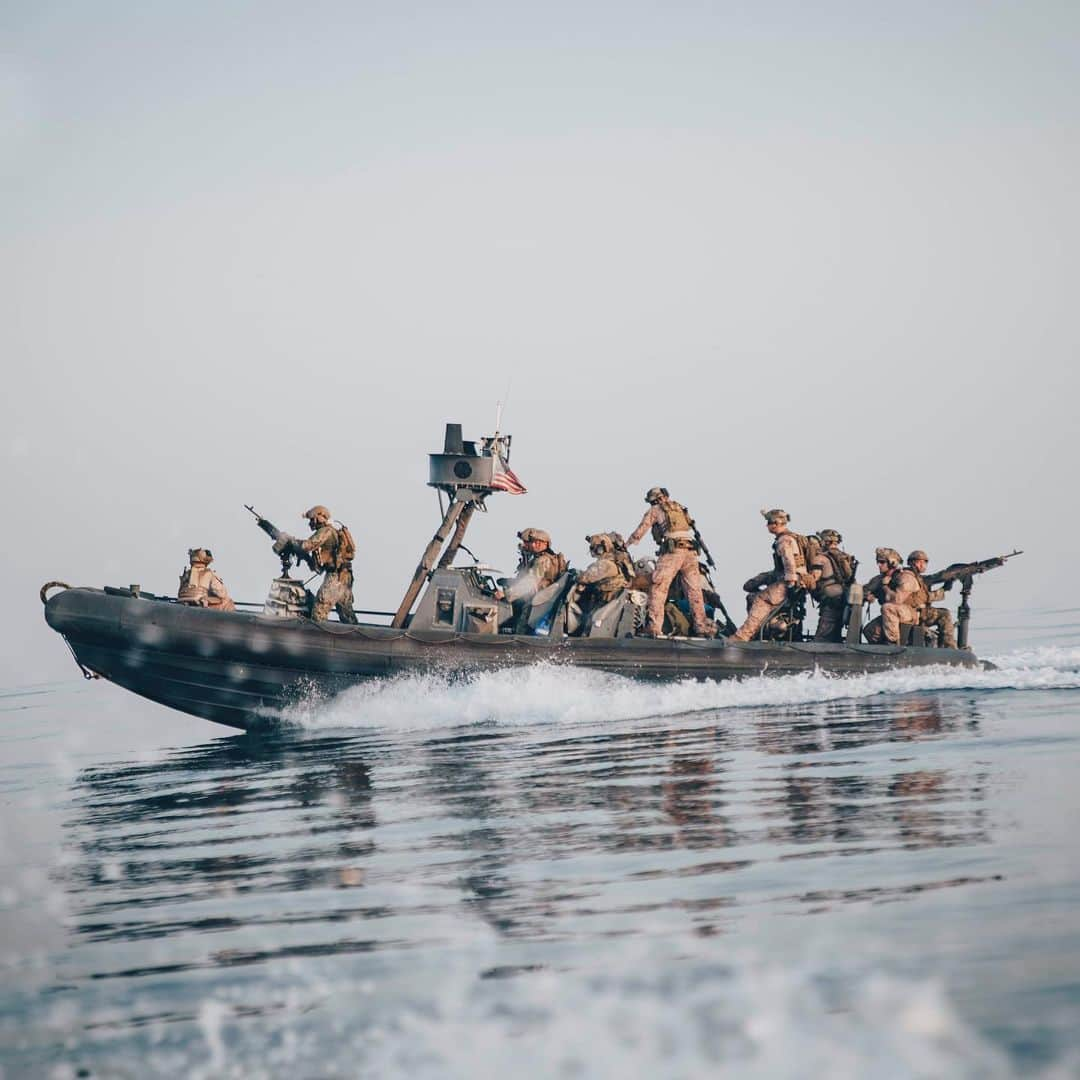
(503, 478)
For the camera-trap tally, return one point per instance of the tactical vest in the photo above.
(609, 587)
(678, 531)
(195, 588)
(802, 556)
(528, 559)
(337, 551)
(920, 599)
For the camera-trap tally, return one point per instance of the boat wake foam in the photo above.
(557, 694)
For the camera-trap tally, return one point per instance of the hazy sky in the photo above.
(814, 256)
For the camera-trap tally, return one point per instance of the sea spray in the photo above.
(551, 693)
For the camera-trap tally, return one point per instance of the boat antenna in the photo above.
(499, 410)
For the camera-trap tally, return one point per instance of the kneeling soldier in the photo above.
(888, 564)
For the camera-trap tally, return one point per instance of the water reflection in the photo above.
(360, 842)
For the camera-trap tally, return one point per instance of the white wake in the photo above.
(557, 694)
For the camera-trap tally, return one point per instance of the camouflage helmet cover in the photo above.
(200, 556)
(776, 514)
(918, 553)
(600, 543)
(317, 513)
(654, 494)
(830, 536)
(889, 555)
(534, 534)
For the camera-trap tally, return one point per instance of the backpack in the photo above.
(809, 547)
(346, 548)
(843, 566)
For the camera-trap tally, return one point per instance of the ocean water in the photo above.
(554, 873)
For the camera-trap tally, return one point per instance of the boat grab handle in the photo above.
(50, 584)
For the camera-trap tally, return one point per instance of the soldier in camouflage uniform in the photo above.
(325, 550)
(833, 570)
(673, 530)
(889, 563)
(538, 567)
(931, 616)
(200, 586)
(789, 572)
(605, 577)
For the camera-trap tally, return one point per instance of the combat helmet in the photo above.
(655, 494)
(200, 556)
(830, 536)
(600, 544)
(888, 555)
(776, 514)
(317, 513)
(918, 553)
(535, 534)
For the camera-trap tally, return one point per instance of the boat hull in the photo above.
(243, 669)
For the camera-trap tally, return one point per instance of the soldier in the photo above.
(888, 564)
(538, 567)
(330, 549)
(200, 586)
(789, 572)
(834, 570)
(676, 538)
(605, 577)
(932, 616)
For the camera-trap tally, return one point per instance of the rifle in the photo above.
(959, 571)
(964, 572)
(285, 546)
(710, 561)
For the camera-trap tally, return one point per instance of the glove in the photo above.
(947, 586)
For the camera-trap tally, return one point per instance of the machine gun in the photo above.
(285, 546)
(288, 598)
(964, 573)
(960, 571)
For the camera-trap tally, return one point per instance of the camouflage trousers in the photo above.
(830, 626)
(684, 563)
(942, 619)
(763, 603)
(335, 592)
(892, 617)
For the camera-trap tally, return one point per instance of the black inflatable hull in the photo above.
(242, 669)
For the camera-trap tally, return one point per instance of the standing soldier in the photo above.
(200, 586)
(834, 570)
(676, 538)
(331, 550)
(932, 616)
(789, 572)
